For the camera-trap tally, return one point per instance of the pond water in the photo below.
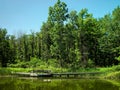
(15, 83)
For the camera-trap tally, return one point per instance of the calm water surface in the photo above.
(14, 83)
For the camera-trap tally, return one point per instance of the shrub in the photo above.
(90, 63)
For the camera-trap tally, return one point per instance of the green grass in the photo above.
(4, 71)
(36, 64)
(112, 72)
(108, 72)
(113, 75)
(9, 71)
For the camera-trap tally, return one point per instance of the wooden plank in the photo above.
(41, 71)
(22, 74)
(75, 74)
(68, 74)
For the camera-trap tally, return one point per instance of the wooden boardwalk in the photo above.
(59, 75)
(73, 74)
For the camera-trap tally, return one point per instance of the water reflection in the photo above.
(13, 83)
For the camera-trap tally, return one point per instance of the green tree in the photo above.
(13, 47)
(116, 33)
(58, 15)
(39, 46)
(105, 42)
(109, 42)
(5, 51)
(32, 43)
(82, 36)
(46, 40)
(71, 40)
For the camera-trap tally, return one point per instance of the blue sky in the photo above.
(24, 16)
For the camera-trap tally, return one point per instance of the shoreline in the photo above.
(103, 73)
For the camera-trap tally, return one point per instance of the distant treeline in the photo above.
(74, 39)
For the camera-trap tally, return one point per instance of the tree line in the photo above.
(74, 39)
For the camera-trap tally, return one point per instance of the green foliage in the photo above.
(117, 68)
(19, 64)
(58, 15)
(118, 59)
(35, 63)
(66, 40)
(5, 50)
(4, 71)
(90, 63)
(113, 75)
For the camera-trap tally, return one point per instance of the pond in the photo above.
(15, 83)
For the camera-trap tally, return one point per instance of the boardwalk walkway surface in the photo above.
(46, 73)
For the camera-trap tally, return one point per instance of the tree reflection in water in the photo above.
(13, 83)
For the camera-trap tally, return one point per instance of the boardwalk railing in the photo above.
(74, 74)
(41, 71)
(48, 73)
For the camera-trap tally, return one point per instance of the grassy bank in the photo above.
(36, 64)
(113, 75)
(10, 71)
(108, 72)
(111, 72)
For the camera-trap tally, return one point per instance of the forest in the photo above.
(67, 39)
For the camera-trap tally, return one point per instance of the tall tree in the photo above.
(5, 51)
(13, 47)
(46, 40)
(82, 37)
(71, 40)
(38, 48)
(58, 15)
(116, 33)
(32, 43)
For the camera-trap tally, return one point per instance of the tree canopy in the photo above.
(74, 39)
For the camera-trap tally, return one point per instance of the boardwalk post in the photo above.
(47, 73)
